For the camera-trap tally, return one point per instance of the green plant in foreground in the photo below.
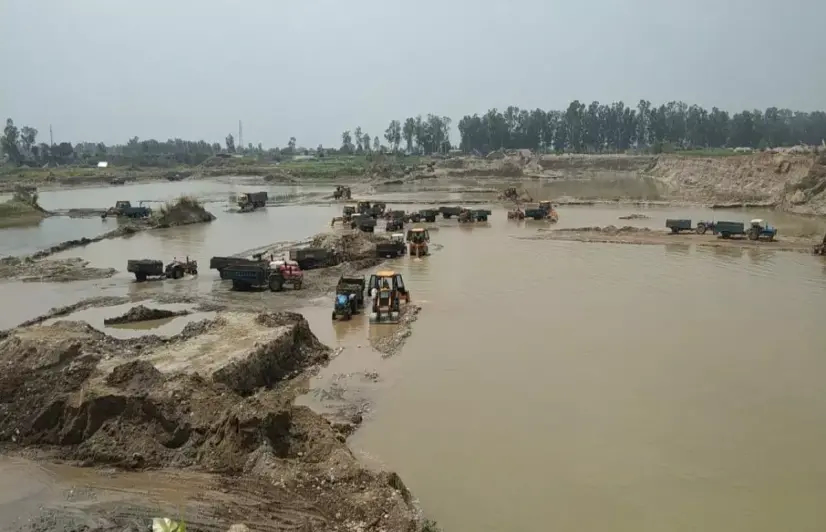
(430, 526)
(168, 525)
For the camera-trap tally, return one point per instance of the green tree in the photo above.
(409, 132)
(9, 142)
(346, 142)
(359, 140)
(230, 142)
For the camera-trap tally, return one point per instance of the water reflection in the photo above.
(678, 249)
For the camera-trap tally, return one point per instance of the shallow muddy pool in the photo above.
(560, 385)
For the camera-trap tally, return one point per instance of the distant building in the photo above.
(103, 164)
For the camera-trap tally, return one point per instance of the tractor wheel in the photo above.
(701, 228)
(297, 285)
(754, 234)
(334, 315)
(276, 283)
(140, 277)
(674, 230)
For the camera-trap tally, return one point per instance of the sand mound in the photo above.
(142, 313)
(184, 211)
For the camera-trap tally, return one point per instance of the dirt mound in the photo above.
(808, 196)
(142, 313)
(608, 229)
(184, 211)
(635, 216)
(351, 246)
(63, 270)
(71, 392)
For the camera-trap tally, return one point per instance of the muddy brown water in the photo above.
(560, 385)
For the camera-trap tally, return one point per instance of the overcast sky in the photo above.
(106, 70)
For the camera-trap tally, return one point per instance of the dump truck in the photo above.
(349, 297)
(448, 212)
(273, 274)
(543, 211)
(125, 209)
(220, 263)
(394, 247)
(363, 222)
(249, 201)
(310, 258)
(428, 215)
(146, 268)
(727, 229)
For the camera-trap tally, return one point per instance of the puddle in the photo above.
(160, 327)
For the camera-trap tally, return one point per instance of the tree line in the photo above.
(601, 128)
(595, 128)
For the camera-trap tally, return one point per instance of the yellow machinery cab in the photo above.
(417, 239)
(387, 290)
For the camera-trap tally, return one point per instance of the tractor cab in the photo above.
(364, 207)
(349, 210)
(418, 235)
(387, 290)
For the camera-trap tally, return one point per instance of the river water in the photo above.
(568, 386)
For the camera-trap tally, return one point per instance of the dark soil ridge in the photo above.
(58, 401)
(142, 313)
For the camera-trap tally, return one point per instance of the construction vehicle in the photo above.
(249, 201)
(125, 209)
(310, 258)
(516, 214)
(480, 215)
(364, 207)
(146, 268)
(759, 229)
(274, 274)
(342, 192)
(387, 291)
(363, 222)
(349, 297)
(465, 216)
(417, 239)
(394, 247)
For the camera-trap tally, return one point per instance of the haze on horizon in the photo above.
(107, 70)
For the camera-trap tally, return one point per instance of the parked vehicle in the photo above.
(543, 211)
(349, 297)
(364, 207)
(677, 225)
(429, 215)
(342, 192)
(448, 212)
(395, 247)
(220, 263)
(125, 209)
(249, 201)
(310, 258)
(394, 224)
(387, 291)
(480, 215)
(363, 222)
(759, 229)
(146, 268)
(274, 274)
(377, 210)
(729, 229)
(177, 269)
(417, 239)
